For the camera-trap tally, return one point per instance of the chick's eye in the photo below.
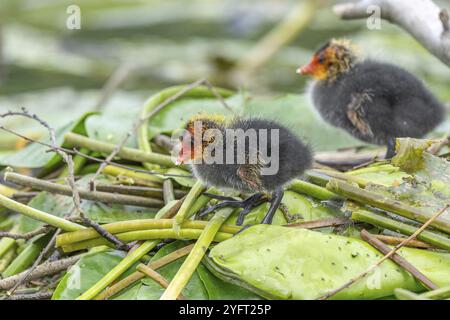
(321, 59)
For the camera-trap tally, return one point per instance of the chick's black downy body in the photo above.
(293, 158)
(378, 102)
(281, 149)
(375, 102)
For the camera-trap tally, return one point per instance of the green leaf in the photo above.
(220, 290)
(112, 126)
(86, 272)
(287, 263)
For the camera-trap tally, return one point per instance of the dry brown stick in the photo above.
(136, 276)
(321, 223)
(27, 235)
(402, 262)
(396, 240)
(43, 270)
(387, 256)
(156, 277)
(137, 190)
(33, 296)
(83, 194)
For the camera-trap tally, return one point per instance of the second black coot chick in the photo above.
(250, 155)
(375, 102)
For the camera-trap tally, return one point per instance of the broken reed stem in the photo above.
(192, 261)
(139, 191)
(312, 190)
(376, 219)
(389, 240)
(377, 200)
(402, 262)
(149, 272)
(47, 218)
(438, 294)
(387, 256)
(160, 234)
(168, 192)
(76, 140)
(84, 194)
(135, 225)
(136, 276)
(191, 197)
(139, 178)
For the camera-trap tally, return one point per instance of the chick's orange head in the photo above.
(193, 141)
(335, 57)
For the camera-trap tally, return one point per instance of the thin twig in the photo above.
(75, 151)
(387, 256)
(27, 235)
(402, 262)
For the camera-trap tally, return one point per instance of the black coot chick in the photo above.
(375, 102)
(250, 155)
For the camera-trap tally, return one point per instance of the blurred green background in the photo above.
(59, 72)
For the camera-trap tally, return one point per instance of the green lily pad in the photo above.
(86, 272)
(283, 263)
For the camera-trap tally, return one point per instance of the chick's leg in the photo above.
(277, 196)
(246, 204)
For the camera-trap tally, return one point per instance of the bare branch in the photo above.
(27, 235)
(423, 19)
